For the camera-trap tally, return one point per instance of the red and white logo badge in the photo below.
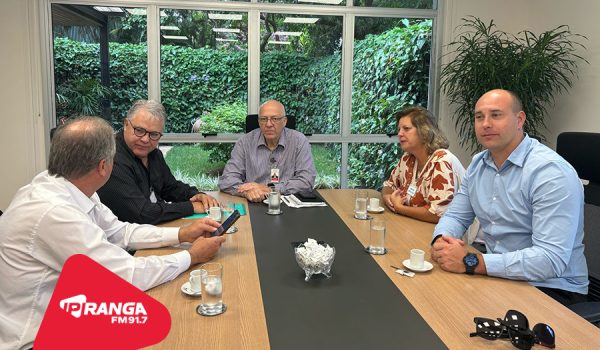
(93, 308)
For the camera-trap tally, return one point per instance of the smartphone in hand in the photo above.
(227, 223)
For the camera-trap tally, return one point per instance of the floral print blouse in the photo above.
(435, 185)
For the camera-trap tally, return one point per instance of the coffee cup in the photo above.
(196, 280)
(373, 203)
(417, 258)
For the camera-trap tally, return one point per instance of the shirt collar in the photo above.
(517, 156)
(282, 139)
(82, 201)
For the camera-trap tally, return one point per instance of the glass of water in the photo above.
(274, 200)
(377, 237)
(360, 204)
(212, 290)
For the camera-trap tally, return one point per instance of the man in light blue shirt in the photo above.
(529, 202)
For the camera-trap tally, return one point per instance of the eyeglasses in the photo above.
(514, 326)
(274, 120)
(141, 132)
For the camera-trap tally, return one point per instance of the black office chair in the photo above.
(252, 122)
(580, 149)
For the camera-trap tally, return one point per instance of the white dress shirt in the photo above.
(50, 220)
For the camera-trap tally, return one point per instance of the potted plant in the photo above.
(536, 68)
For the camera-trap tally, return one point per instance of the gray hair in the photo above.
(155, 108)
(79, 145)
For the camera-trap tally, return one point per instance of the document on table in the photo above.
(293, 202)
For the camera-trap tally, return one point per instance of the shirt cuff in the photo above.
(435, 238)
(494, 265)
(171, 236)
(184, 259)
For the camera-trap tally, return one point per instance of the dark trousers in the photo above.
(563, 296)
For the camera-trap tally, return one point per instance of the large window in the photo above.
(300, 66)
(341, 68)
(100, 60)
(204, 70)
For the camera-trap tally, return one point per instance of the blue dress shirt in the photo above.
(531, 213)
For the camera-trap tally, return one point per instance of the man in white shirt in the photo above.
(59, 214)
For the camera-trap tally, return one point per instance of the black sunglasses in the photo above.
(515, 327)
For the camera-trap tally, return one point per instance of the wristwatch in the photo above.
(471, 261)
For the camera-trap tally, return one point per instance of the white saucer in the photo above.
(266, 201)
(186, 289)
(375, 210)
(426, 266)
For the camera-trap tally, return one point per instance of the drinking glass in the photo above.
(274, 200)
(360, 204)
(212, 290)
(377, 237)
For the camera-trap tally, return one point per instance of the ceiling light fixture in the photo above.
(226, 30)
(175, 37)
(169, 28)
(142, 12)
(305, 20)
(288, 33)
(225, 16)
(108, 9)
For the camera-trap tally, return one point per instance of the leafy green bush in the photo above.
(228, 119)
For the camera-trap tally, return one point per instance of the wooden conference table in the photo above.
(447, 302)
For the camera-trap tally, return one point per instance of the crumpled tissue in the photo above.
(315, 258)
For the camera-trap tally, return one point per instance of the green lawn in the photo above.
(191, 164)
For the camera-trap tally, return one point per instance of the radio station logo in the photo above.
(129, 312)
(93, 308)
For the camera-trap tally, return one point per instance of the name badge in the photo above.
(412, 190)
(275, 175)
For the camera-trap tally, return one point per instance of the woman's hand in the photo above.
(398, 201)
(386, 194)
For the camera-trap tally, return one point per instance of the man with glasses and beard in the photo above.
(271, 156)
(142, 188)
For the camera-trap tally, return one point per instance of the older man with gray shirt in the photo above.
(271, 156)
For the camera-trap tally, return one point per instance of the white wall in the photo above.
(575, 110)
(19, 117)
(578, 109)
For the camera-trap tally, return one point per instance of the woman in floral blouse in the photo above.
(423, 183)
